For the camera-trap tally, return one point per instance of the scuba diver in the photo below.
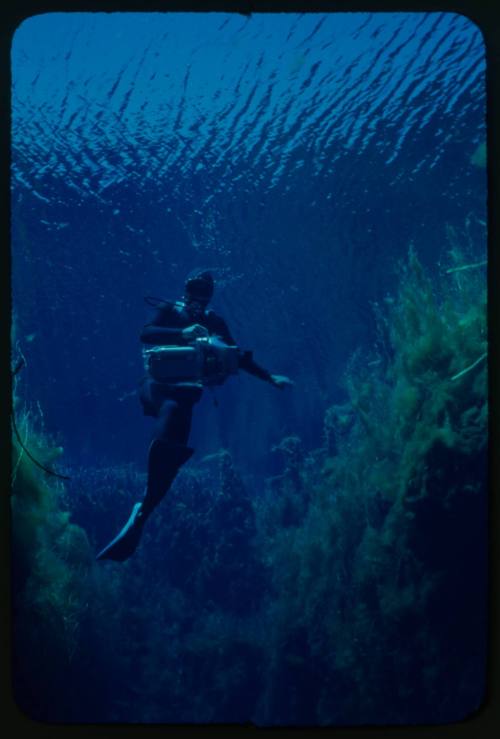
(187, 347)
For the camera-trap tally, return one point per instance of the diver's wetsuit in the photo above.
(172, 405)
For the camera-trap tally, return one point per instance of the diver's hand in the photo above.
(194, 332)
(281, 381)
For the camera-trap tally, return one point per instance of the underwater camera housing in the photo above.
(207, 361)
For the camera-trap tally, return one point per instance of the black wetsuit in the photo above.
(173, 405)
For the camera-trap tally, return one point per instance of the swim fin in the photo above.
(125, 544)
(164, 462)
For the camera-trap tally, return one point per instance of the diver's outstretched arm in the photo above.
(248, 363)
(246, 360)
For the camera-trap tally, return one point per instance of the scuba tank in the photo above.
(207, 361)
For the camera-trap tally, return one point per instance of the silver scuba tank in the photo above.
(207, 361)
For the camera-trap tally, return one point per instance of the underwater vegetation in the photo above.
(350, 590)
(380, 590)
(166, 639)
(479, 157)
(50, 583)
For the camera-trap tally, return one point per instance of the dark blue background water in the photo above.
(296, 156)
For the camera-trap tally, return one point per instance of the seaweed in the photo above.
(377, 579)
(64, 625)
(51, 565)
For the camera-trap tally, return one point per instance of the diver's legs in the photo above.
(164, 461)
(167, 453)
(174, 422)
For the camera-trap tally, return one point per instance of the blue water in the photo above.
(296, 156)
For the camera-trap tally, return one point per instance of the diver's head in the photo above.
(198, 291)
